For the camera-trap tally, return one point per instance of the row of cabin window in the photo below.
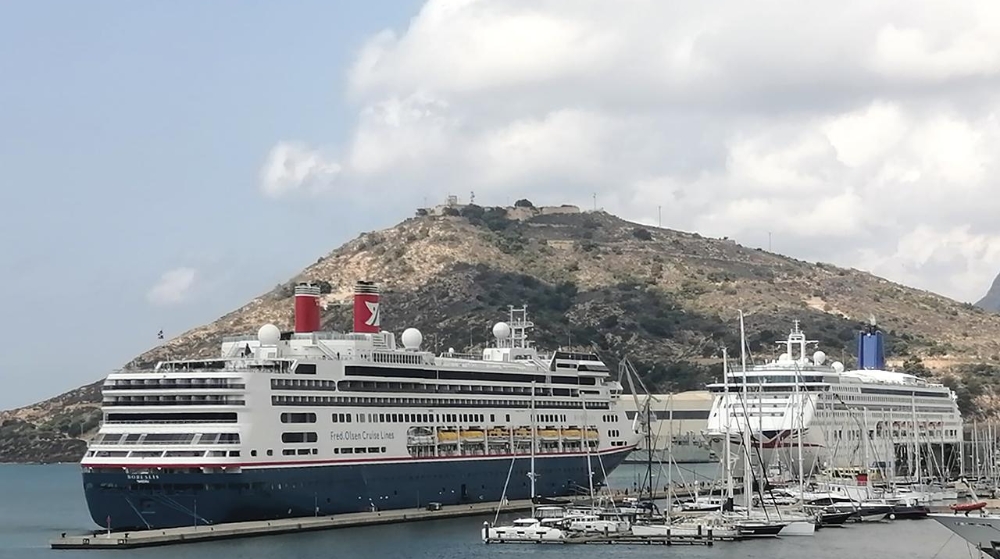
(614, 433)
(143, 384)
(424, 388)
(348, 400)
(428, 418)
(359, 450)
(302, 384)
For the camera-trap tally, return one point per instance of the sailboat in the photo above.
(757, 522)
(543, 524)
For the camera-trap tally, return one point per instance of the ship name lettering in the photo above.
(361, 436)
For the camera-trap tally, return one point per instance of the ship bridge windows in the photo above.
(298, 437)
(305, 369)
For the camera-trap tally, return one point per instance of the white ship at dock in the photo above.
(304, 423)
(869, 418)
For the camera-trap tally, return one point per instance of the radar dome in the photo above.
(784, 358)
(268, 335)
(838, 366)
(501, 330)
(412, 338)
(819, 358)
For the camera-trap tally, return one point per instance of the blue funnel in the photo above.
(871, 348)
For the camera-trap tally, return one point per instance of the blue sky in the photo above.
(131, 136)
(163, 162)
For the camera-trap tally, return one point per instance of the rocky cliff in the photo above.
(667, 299)
(991, 301)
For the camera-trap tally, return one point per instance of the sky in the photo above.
(161, 163)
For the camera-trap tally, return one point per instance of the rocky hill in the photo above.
(667, 299)
(991, 301)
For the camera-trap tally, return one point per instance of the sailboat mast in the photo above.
(726, 465)
(747, 465)
(914, 432)
(649, 446)
(670, 452)
(534, 437)
(586, 442)
(801, 405)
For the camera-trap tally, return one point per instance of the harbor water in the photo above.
(37, 503)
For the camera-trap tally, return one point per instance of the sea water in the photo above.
(37, 503)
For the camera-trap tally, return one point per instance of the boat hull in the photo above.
(166, 500)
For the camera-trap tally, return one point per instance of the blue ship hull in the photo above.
(166, 500)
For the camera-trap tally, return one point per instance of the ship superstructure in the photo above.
(308, 422)
(868, 419)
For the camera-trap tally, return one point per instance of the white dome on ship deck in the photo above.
(838, 366)
(268, 335)
(501, 330)
(784, 358)
(412, 338)
(819, 358)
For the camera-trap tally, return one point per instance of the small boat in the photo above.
(473, 435)
(869, 512)
(748, 528)
(548, 434)
(571, 434)
(909, 512)
(523, 530)
(450, 436)
(834, 518)
(967, 507)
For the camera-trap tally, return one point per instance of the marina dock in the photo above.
(133, 539)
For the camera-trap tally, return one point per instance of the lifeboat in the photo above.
(498, 433)
(592, 434)
(966, 507)
(548, 434)
(571, 434)
(447, 436)
(473, 436)
(522, 433)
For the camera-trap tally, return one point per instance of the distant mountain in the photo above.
(667, 299)
(991, 301)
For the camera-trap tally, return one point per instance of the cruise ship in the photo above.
(870, 418)
(304, 423)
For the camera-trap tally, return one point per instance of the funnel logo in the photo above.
(373, 317)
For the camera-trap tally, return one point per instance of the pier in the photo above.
(133, 539)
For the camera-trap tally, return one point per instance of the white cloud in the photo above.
(293, 166)
(848, 130)
(173, 287)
